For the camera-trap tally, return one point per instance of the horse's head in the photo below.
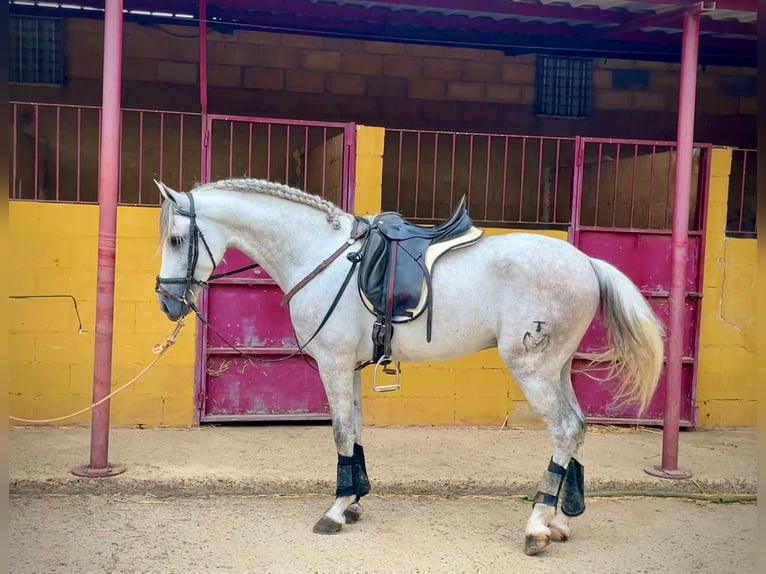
(190, 249)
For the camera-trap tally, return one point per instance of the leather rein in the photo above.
(358, 231)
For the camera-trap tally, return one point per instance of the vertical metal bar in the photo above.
(651, 184)
(79, 150)
(633, 184)
(231, 148)
(616, 180)
(14, 192)
(399, 175)
(742, 190)
(140, 154)
(268, 151)
(109, 173)
(324, 159)
(417, 174)
(162, 143)
(577, 185)
(58, 153)
(306, 159)
(686, 105)
(452, 172)
(37, 148)
(349, 169)
(598, 182)
(205, 126)
(539, 179)
(523, 169)
(287, 154)
(554, 219)
(433, 189)
(470, 166)
(505, 179)
(181, 153)
(119, 179)
(486, 183)
(671, 151)
(250, 149)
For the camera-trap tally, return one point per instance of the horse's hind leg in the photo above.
(550, 395)
(572, 488)
(352, 482)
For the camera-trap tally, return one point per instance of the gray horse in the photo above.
(495, 293)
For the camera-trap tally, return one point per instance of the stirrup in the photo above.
(397, 372)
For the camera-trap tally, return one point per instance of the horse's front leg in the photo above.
(352, 481)
(354, 511)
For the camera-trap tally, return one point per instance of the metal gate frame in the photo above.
(576, 229)
(347, 203)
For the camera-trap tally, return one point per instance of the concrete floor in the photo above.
(84, 534)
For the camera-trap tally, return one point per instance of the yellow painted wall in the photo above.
(54, 251)
(727, 376)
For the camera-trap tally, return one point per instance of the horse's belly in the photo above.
(464, 322)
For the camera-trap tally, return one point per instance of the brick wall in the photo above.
(393, 85)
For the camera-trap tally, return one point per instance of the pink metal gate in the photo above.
(244, 308)
(622, 213)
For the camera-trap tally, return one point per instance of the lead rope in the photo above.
(158, 349)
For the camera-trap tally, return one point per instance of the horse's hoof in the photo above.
(327, 526)
(558, 535)
(353, 513)
(535, 543)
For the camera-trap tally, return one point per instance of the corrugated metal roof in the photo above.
(588, 9)
(637, 29)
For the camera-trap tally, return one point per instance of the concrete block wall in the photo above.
(728, 372)
(54, 249)
(391, 84)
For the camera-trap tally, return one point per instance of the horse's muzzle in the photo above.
(173, 302)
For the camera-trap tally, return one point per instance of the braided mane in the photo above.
(256, 186)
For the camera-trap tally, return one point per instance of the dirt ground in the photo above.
(134, 534)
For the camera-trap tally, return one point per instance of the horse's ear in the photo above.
(167, 193)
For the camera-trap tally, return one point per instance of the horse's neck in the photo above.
(288, 239)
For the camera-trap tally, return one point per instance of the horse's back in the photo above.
(523, 257)
(503, 283)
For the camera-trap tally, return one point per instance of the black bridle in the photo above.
(187, 297)
(195, 236)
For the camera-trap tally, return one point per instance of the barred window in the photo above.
(36, 50)
(564, 86)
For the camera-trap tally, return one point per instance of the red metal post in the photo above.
(680, 238)
(108, 189)
(205, 166)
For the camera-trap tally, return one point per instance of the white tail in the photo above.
(634, 333)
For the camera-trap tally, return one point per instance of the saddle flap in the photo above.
(372, 271)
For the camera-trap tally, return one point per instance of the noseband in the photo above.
(195, 235)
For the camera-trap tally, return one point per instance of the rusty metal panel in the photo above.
(266, 383)
(645, 259)
(622, 213)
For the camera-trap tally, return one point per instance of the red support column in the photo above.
(205, 163)
(108, 189)
(680, 239)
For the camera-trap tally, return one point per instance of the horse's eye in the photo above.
(176, 240)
